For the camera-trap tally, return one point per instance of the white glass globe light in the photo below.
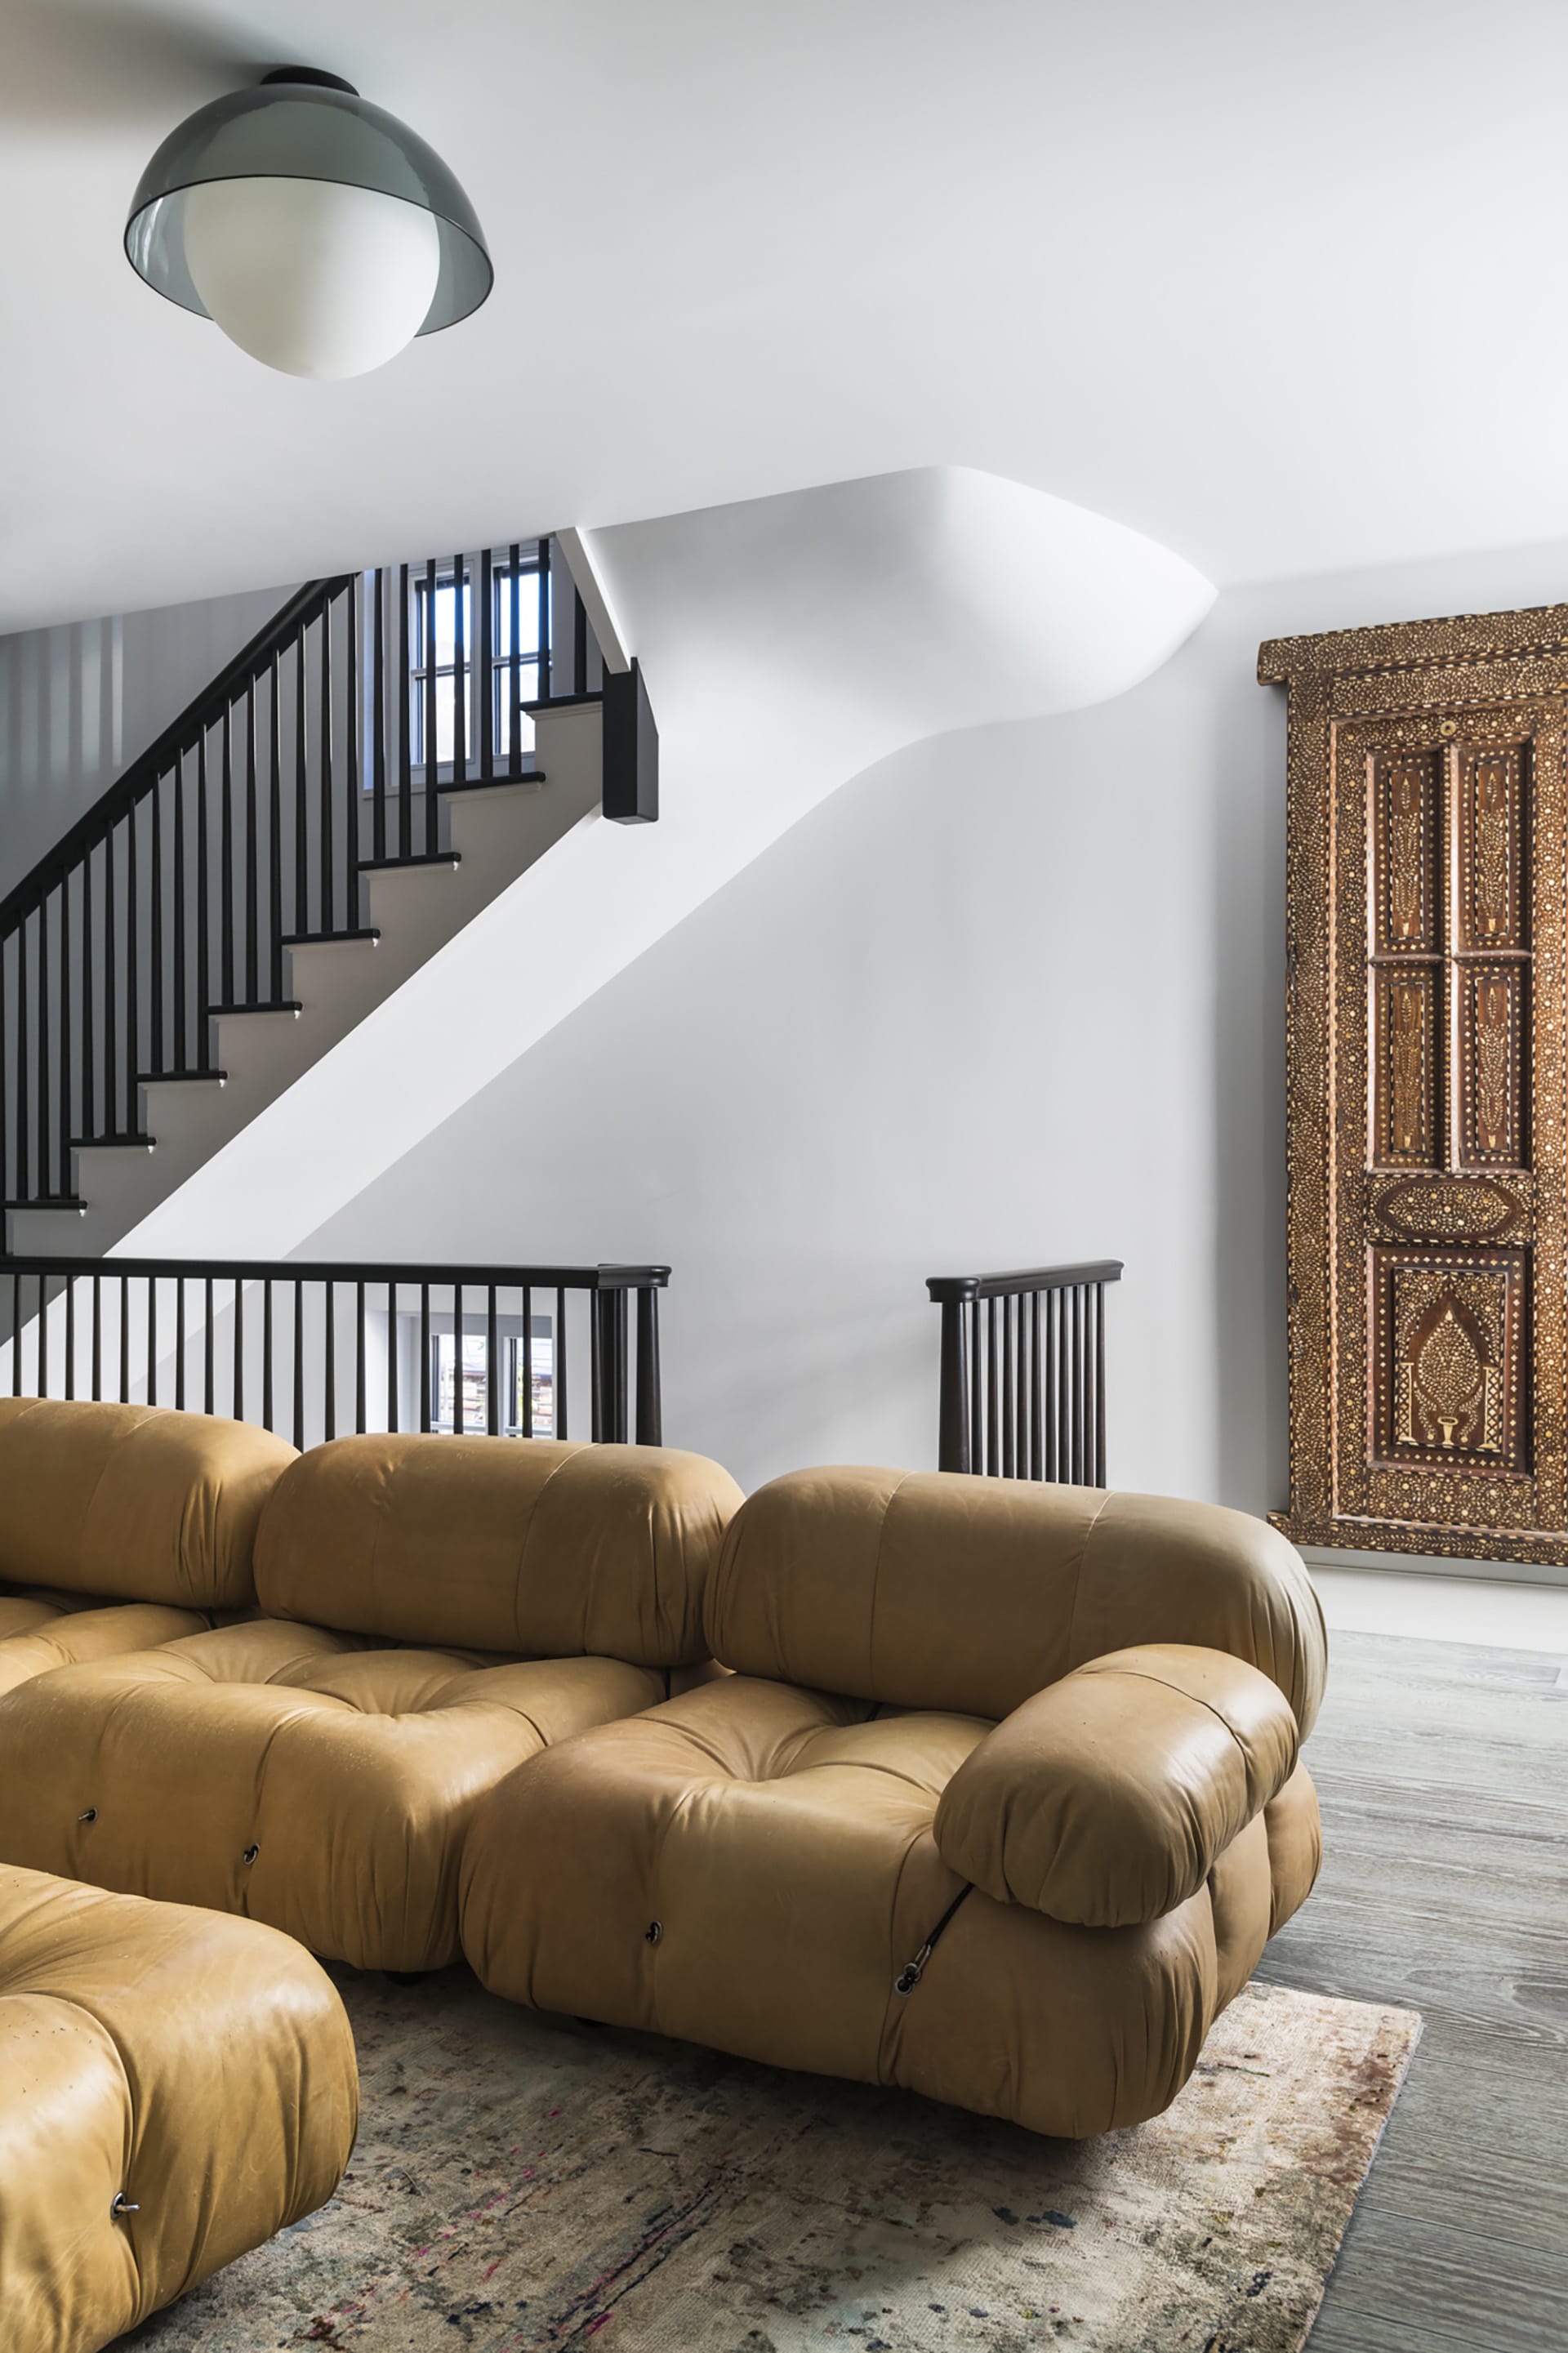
(315, 277)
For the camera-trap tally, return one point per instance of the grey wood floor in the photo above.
(1443, 1772)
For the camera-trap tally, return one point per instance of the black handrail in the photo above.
(203, 711)
(277, 1341)
(1023, 1372)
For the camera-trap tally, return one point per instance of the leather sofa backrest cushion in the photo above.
(134, 1502)
(934, 1589)
(537, 1547)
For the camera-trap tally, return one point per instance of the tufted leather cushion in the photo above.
(550, 1549)
(288, 1772)
(929, 1590)
(752, 1865)
(1108, 1798)
(132, 1503)
(35, 1636)
(200, 2068)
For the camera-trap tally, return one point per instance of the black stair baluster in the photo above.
(155, 963)
(460, 1417)
(514, 648)
(152, 1341)
(558, 1369)
(329, 879)
(238, 1350)
(225, 858)
(88, 1008)
(301, 923)
(330, 1400)
(46, 1129)
(111, 989)
(267, 1355)
(274, 832)
(459, 673)
(182, 1012)
(405, 722)
(124, 1398)
(378, 720)
(179, 1344)
(427, 656)
(207, 1349)
(545, 675)
(393, 1417)
(354, 780)
(203, 909)
(1099, 1385)
(492, 1379)
(359, 1358)
(526, 1417)
(70, 1337)
(252, 859)
(133, 972)
(15, 1334)
(485, 710)
(66, 1055)
(97, 1339)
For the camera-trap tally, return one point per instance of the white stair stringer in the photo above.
(496, 832)
(788, 644)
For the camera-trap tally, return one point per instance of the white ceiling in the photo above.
(1282, 287)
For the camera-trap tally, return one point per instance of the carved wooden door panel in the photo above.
(1428, 1086)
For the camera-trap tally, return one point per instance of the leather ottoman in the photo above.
(174, 2087)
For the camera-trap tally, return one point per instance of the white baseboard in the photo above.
(1420, 1564)
(1436, 1602)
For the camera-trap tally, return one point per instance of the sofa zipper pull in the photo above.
(909, 1975)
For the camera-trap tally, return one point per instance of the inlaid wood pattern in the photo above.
(1426, 1033)
(1407, 1032)
(1405, 809)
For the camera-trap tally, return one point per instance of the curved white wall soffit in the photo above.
(788, 644)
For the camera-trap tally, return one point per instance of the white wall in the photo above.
(1010, 998)
(80, 701)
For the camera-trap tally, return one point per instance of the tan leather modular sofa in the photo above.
(1001, 1802)
(122, 1525)
(174, 2088)
(434, 1612)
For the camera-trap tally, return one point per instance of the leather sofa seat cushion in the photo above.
(752, 1866)
(550, 1549)
(296, 1775)
(1108, 1798)
(132, 1503)
(38, 1635)
(200, 2068)
(934, 1591)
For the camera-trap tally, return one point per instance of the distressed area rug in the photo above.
(524, 2183)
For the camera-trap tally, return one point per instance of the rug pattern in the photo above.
(525, 2184)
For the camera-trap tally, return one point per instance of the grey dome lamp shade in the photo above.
(319, 232)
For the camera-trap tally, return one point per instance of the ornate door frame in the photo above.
(1420, 755)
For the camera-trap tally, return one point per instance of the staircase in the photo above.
(387, 757)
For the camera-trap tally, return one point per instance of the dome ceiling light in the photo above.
(319, 232)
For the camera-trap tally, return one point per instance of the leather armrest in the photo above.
(1105, 1799)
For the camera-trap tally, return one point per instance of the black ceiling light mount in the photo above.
(317, 231)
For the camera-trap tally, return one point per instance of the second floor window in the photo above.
(433, 675)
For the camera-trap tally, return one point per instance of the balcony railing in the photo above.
(314, 1351)
(1023, 1372)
